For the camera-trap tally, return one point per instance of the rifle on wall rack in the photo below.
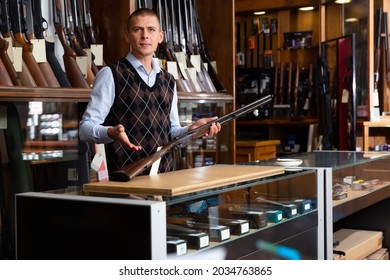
(19, 78)
(281, 84)
(204, 52)
(28, 24)
(8, 65)
(183, 40)
(289, 83)
(130, 171)
(295, 93)
(51, 58)
(80, 34)
(276, 84)
(192, 47)
(73, 72)
(20, 38)
(308, 93)
(178, 50)
(387, 53)
(377, 57)
(166, 47)
(74, 42)
(91, 30)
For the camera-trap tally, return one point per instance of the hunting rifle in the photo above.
(387, 51)
(276, 84)
(74, 42)
(377, 57)
(296, 88)
(27, 20)
(20, 38)
(79, 33)
(289, 81)
(73, 72)
(130, 171)
(41, 26)
(23, 78)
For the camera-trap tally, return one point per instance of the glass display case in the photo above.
(357, 190)
(40, 150)
(273, 216)
(207, 150)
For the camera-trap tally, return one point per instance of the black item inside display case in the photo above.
(251, 85)
(337, 99)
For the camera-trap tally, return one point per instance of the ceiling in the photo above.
(248, 6)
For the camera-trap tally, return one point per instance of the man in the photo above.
(133, 105)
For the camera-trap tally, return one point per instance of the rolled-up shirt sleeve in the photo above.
(100, 102)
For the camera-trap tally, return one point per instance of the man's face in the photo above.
(144, 36)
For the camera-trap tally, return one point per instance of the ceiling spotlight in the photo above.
(259, 13)
(351, 20)
(305, 9)
(342, 1)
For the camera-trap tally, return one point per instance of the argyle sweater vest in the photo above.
(144, 112)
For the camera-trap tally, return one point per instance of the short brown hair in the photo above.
(141, 12)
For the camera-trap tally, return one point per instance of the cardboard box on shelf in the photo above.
(354, 244)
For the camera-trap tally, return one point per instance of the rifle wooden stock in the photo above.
(37, 31)
(8, 63)
(30, 61)
(130, 171)
(56, 66)
(27, 18)
(5, 79)
(46, 70)
(81, 52)
(73, 72)
(25, 76)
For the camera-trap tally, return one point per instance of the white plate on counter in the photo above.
(288, 162)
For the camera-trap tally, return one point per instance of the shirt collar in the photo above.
(139, 66)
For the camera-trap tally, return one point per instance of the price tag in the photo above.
(82, 62)
(39, 50)
(155, 165)
(18, 60)
(172, 68)
(89, 56)
(10, 49)
(181, 57)
(345, 96)
(195, 60)
(97, 50)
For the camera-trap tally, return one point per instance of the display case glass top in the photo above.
(332, 159)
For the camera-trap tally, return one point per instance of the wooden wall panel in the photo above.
(217, 22)
(110, 17)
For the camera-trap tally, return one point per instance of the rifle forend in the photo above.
(130, 171)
